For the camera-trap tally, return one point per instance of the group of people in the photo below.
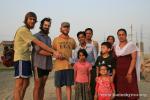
(95, 75)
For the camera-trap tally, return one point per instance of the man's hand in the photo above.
(57, 55)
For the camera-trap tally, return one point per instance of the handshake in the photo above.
(58, 55)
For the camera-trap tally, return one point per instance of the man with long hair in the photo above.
(22, 43)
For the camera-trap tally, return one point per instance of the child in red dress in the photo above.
(104, 86)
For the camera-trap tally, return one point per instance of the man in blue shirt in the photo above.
(91, 50)
(41, 60)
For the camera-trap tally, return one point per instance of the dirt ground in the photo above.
(7, 83)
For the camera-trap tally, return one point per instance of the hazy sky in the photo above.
(105, 17)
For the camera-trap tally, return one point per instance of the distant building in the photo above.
(5, 43)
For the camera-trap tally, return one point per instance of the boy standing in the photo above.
(107, 59)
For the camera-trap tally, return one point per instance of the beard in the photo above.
(29, 26)
(45, 30)
(65, 33)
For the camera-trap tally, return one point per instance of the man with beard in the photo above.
(63, 70)
(41, 60)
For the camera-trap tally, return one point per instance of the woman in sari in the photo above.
(126, 74)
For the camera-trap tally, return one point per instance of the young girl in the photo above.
(104, 86)
(82, 70)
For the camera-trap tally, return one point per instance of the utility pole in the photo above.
(131, 32)
(141, 45)
(137, 42)
(104, 37)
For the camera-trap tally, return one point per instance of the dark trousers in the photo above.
(93, 83)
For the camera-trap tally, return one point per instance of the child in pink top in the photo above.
(82, 70)
(104, 86)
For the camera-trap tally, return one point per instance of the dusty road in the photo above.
(7, 83)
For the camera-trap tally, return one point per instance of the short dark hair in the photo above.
(122, 29)
(82, 51)
(111, 36)
(42, 22)
(107, 44)
(90, 29)
(81, 32)
(30, 14)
